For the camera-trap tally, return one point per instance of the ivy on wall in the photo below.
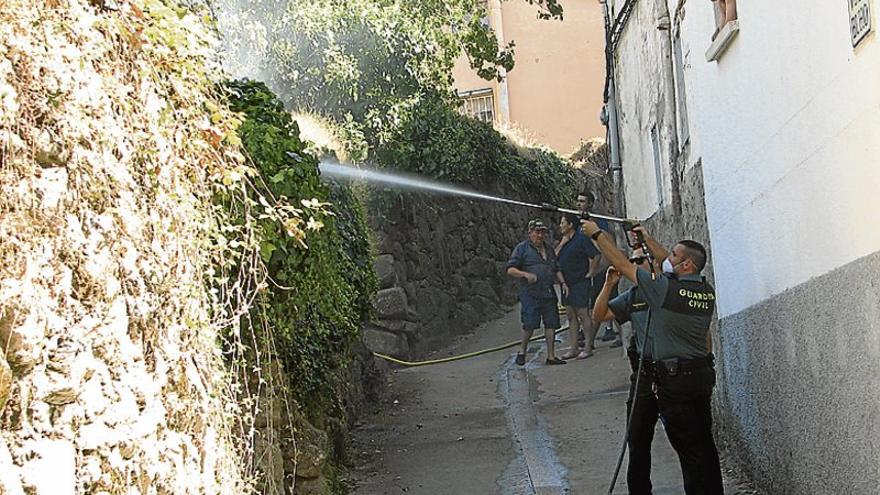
(436, 141)
(317, 297)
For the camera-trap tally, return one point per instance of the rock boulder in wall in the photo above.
(391, 325)
(432, 302)
(466, 316)
(484, 289)
(312, 446)
(385, 271)
(391, 303)
(412, 328)
(385, 342)
(479, 267)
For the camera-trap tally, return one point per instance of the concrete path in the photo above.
(484, 425)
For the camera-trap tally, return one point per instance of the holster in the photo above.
(670, 365)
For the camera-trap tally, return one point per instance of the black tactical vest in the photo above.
(690, 297)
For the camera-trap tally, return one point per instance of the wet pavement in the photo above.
(485, 425)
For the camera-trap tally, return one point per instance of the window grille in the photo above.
(859, 20)
(479, 104)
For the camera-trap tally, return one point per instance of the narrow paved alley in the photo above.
(484, 425)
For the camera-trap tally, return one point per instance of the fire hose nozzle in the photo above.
(635, 239)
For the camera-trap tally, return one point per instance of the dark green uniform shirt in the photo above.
(681, 311)
(631, 306)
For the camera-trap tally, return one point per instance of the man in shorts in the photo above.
(598, 266)
(533, 262)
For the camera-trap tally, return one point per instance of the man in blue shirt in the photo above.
(533, 262)
(681, 303)
(598, 266)
(574, 251)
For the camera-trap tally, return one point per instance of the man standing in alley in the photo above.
(596, 275)
(641, 405)
(573, 253)
(681, 303)
(533, 262)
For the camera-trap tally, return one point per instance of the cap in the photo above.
(536, 224)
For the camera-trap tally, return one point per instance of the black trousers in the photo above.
(641, 428)
(685, 407)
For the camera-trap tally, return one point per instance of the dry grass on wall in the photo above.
(116, 267)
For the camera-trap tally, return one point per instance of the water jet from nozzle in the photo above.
(332, 168)
(402, 181)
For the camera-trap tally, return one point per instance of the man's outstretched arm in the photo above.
(601, 310)
(609, 249)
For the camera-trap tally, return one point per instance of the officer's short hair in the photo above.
(695, 252)
(589, 195)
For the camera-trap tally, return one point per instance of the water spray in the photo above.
(412, 182)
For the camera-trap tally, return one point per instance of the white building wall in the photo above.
(789, 127)
(645, 100)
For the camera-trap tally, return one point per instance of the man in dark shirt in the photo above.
(573, 253)
(681, 303)
(631, 306)
(598, 266)
(533, 262)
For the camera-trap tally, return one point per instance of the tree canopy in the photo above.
(362, 62)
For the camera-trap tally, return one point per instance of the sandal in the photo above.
(570, 355)
(584, 354)
(554, 360)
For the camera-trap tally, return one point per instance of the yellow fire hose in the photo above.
(449, 359)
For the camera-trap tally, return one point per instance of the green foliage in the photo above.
(362, 61)
(436, 141)
(320, 294)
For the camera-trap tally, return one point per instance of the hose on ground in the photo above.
(459, 357)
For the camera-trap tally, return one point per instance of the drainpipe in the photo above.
(497, 22)
(614, 145)
(611, 108)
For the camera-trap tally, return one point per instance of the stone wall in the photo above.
(441, 263)
(292, 453)
(440, 267)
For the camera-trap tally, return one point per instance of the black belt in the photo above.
(635, 356)
(648, 364)
(673, 366)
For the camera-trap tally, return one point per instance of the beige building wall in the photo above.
(555, 89)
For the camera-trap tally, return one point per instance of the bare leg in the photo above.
(550, 338)
(573, 327)
(589, 328)
(527, 335)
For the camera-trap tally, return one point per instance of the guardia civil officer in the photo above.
(681, 304)
(630, 306)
